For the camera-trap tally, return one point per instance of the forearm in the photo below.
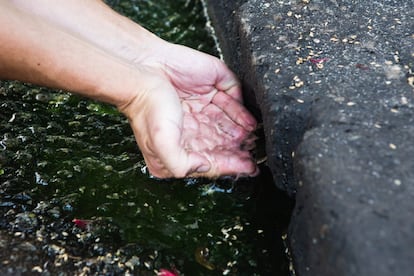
(35, 52)
(95, 22)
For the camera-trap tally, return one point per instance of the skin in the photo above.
(185, 107)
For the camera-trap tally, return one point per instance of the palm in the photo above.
(199, 128)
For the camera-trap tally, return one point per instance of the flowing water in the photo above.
(66, 158)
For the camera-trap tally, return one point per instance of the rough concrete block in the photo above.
(333, 81)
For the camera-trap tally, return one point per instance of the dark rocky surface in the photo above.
(334, 83)
(76, 197)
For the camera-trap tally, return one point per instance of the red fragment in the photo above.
(165, 272)
(81, 223)
(318, 60)
(361, 66)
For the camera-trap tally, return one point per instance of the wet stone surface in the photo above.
(334, 83)
(75, 197)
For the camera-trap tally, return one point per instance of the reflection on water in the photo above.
(63, 157)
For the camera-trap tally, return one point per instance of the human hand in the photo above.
(188, 117)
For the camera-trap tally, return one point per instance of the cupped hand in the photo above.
(188, 117)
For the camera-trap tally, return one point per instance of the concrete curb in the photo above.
(333, 81)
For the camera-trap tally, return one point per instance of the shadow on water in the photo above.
(76, 198)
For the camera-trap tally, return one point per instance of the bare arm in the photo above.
(93, 21)
(183, 106)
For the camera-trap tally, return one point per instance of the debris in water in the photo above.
(362, 66)
(318, 60)
(82, 223)
(165, 272)
(201, 255)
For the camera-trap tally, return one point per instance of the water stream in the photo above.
(66, 158)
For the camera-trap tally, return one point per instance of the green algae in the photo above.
(64, 157)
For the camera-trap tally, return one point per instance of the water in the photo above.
(64, 157)
(181, 21)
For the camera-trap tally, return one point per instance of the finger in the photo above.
(197, 165)
(186, 163)
(179, 158)
(233, 91)
(229, 83)
(237, 112)
(249, 143)
(230, 163)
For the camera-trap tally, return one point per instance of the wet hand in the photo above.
(188, 118)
